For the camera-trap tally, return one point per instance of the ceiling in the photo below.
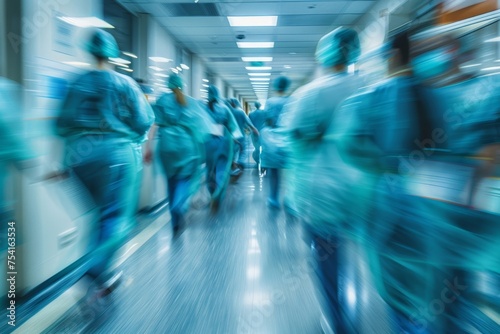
(203, 29)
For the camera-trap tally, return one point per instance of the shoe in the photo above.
(214, 206)
(99, 297)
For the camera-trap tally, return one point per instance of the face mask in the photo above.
(432, 64)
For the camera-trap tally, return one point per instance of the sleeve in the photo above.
(142, 115)
(248, 122)
(306, 115)
(65, 120)
(352, 132)
(232, 125)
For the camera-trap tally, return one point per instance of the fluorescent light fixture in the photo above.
(184, 67)
(255, 45)
(252, 21)
(260, 79)
(160, 59)
(118, 64)
(174, 70)
(257, 68)
(130, 54)
(491, 68)
(252, 59)
(76, 63)
(161, 75)
(156, 68)
(288, 66)
(203, 90)
(496, 39)
(179, 69)
(120, 60)
(205, 85)
(126, 69)
(259, 74)
(86, 22)
(474, 65)
(206, 80)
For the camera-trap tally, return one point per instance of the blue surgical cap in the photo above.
(103, 45)
(339, 47)
(258, 105)
(281, 84)
(213, 93)
(235, 103)
(175, 82)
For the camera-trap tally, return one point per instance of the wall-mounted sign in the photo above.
(63, 36)
(452, 5)
(458, 10)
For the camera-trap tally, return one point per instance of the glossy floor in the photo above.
(246, 269)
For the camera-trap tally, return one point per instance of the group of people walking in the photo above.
(399, 167)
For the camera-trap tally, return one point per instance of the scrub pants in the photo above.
(274, 186)
(326, 253)
(218, 162)
(107, 170)
(242, 151)
(256, 151)
(178, 195)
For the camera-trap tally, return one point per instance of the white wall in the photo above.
(42, 220)
(3, 39)
(198, 71)
(373, 26)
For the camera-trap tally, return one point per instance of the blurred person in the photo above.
(322, 182)
(257, 118)
(103, 118)
(183, 132)
(462, 161)
(386, 123)
(219, 146)
(274, 155)
(245, 124)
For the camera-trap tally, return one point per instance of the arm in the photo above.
(148, 151)
(141, 114)
(250, 125)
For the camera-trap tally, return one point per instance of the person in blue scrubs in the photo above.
(245, 124)
(462, 165)
(274, 155)
(102, 118)
(219, 146)
(258, 120)
(387, 121)
(183, 132)
(321, 192)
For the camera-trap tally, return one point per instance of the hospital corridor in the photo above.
(250, 166)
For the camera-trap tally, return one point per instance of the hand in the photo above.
(148, 156)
